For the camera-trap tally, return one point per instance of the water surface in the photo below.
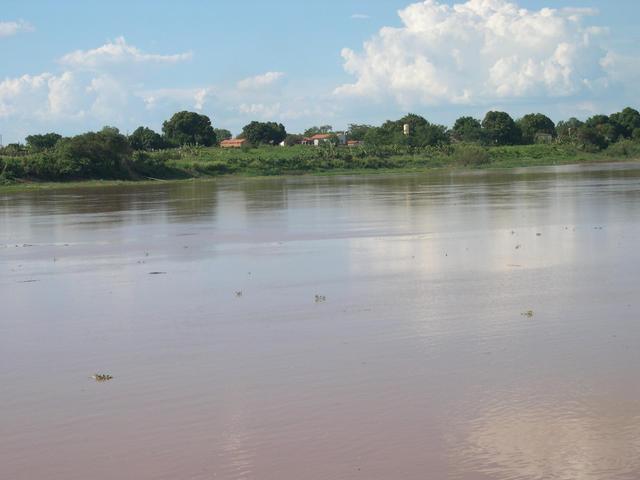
(419, 364)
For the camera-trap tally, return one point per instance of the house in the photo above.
(543, 137)
(354, 143)
(234, 143)
(321, 138)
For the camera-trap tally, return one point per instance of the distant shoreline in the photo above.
(592, 159)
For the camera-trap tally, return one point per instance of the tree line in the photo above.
(110, 154)
(497, 128)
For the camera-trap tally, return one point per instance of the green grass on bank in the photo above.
(302, 159)
(187, 163)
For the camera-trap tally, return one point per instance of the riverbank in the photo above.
(202, 163)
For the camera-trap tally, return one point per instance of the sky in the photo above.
(75, 66)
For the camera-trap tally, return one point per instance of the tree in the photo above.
(189, 128)
(322, 129)
(421, 133)
(378, 136)
(533, 124)
(264, 133)
(13, 150)
(414, 121)
(429, 135)
(43, 142)
(358, 132)
(500, 129)
(591, 139)
(222, 134)
(467, 129)
(293, 139)
(628, 119)
(605, 126)
(569, 129)
(103, 154)
(144, 138)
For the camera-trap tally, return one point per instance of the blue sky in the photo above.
(77, 65)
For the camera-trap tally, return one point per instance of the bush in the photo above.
(624, 148)
(101, 154)
(166, 155)
(11, 168)
(147, 165)
(471, 156)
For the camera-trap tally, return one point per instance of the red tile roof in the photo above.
(235, 142)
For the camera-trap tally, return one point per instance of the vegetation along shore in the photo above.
(189, 147)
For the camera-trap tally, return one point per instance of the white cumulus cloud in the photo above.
(193, 98)
(8, 29)
(63, 98)
(109, 97)
(116, 53)
(260, 81)
(260, 110)
(39, 96)
(481, 51)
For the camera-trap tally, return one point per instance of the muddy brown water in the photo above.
(419, 365)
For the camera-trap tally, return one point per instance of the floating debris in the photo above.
(518, 247)
(157, 273)
(28, 281)
(538, 234)
(528, 314)
(239, 293)
(320, 298)
(101, 377)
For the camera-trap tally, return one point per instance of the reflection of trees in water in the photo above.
(121, 204)
(501, 199)
(192, 200)
(410, 196)
(262, 194)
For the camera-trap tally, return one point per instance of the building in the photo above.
(234, 143)
(321, 138)
(543, 138)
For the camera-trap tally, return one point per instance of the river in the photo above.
(468, 325)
